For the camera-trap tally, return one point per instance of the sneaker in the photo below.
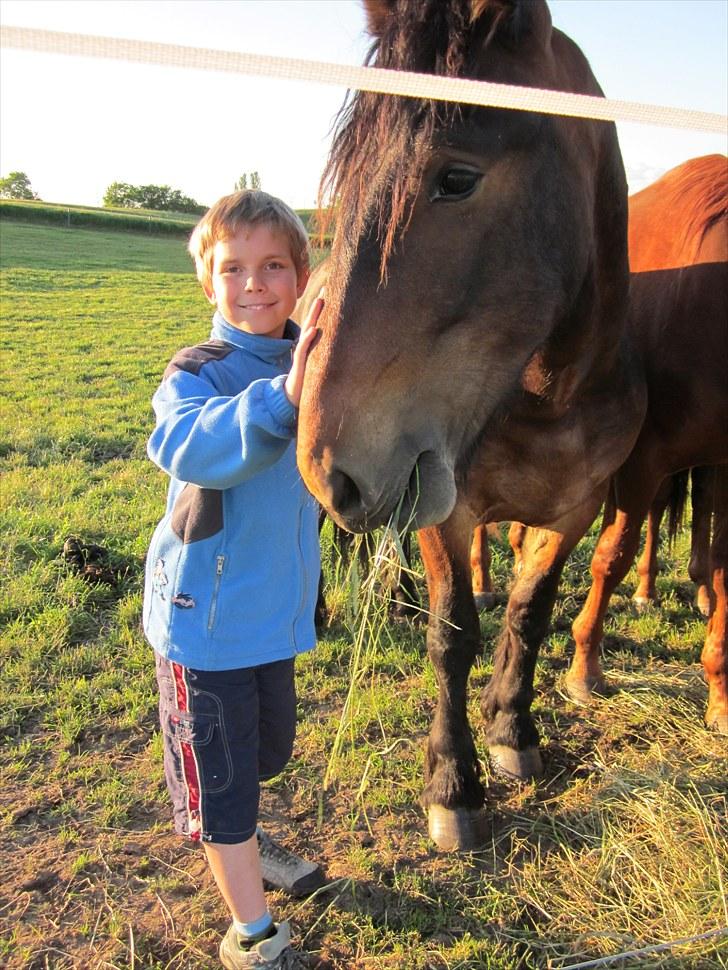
(285, 870)
(274, 953)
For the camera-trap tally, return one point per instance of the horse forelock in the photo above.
(381, 141)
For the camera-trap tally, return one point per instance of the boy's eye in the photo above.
(275, 265)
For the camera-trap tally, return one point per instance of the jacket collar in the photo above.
(265, 348)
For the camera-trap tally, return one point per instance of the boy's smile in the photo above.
(255, 283)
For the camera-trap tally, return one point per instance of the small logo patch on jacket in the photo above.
(183, 600)
(159, 579)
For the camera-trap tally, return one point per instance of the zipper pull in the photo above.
(220, 564)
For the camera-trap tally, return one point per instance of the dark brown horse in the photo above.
(678, 248)
(474, 363)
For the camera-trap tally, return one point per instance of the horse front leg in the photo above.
(715, 651)
(453, 794)
(614, 554)
(506, 703)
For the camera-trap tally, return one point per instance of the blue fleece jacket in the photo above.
(233, 567)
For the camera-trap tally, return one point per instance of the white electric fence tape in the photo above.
(405, 83)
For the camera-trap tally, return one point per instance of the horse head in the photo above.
(479, 263)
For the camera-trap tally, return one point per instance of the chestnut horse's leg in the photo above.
(614, 554)
(516, 536)
(646, 591)
(506, 703)
(480, 569)
(453, 794)
(715, 651)
(699, 565)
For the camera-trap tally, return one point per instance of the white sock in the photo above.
(256, 930)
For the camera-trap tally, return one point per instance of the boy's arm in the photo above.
(294, 381)
(215, 441)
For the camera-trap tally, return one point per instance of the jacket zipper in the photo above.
(220, 563)
(302, 573)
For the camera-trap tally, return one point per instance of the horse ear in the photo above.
(514, 21)
(378, 13)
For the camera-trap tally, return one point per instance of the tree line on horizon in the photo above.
(122, 195)
(162, 198)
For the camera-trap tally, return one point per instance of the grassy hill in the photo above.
(149, 221)
(623, 844)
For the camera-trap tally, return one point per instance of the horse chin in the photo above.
(427, 499)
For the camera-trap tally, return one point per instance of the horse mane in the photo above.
(380, 140)
(701, 187)
(695, 194)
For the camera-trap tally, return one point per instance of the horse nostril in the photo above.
(346, 499)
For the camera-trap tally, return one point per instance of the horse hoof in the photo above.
(582, 690)
(703, 604)
(522, 765)
(457, 829)
(719, 723)
(643, 603)
(402, 612)
(484, 601)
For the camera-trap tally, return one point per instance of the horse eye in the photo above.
(456, 183)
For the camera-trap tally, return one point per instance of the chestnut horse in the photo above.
(678, 248)
(474, 361)
(672, 494)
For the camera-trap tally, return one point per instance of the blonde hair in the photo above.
(246, 208)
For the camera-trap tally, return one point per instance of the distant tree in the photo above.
(121, 195)
(161, 198)
(251, 179)
(16, 186)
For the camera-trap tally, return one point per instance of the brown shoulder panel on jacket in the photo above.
(193, 359)
(197, 513)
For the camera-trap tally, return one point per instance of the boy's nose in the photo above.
(254, 282)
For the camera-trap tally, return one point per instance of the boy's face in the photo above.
(255, 284)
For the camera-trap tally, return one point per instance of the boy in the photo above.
(232, 569)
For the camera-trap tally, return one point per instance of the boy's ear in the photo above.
(302, 282)
(209, 293)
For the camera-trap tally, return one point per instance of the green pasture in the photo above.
(147, 221)
(36, 207)
(85, 217)
(623, 845)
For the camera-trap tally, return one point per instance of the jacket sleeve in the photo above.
(215, 441)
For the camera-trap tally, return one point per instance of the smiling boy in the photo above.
(233, 566)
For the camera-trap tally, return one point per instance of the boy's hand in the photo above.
(294, 381)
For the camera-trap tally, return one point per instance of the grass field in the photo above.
(139, 221)
(623, 845)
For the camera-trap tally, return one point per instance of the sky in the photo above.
(76, 125)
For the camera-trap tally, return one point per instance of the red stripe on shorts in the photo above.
(189, 762)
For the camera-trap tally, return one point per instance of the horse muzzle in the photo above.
(360, 498)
